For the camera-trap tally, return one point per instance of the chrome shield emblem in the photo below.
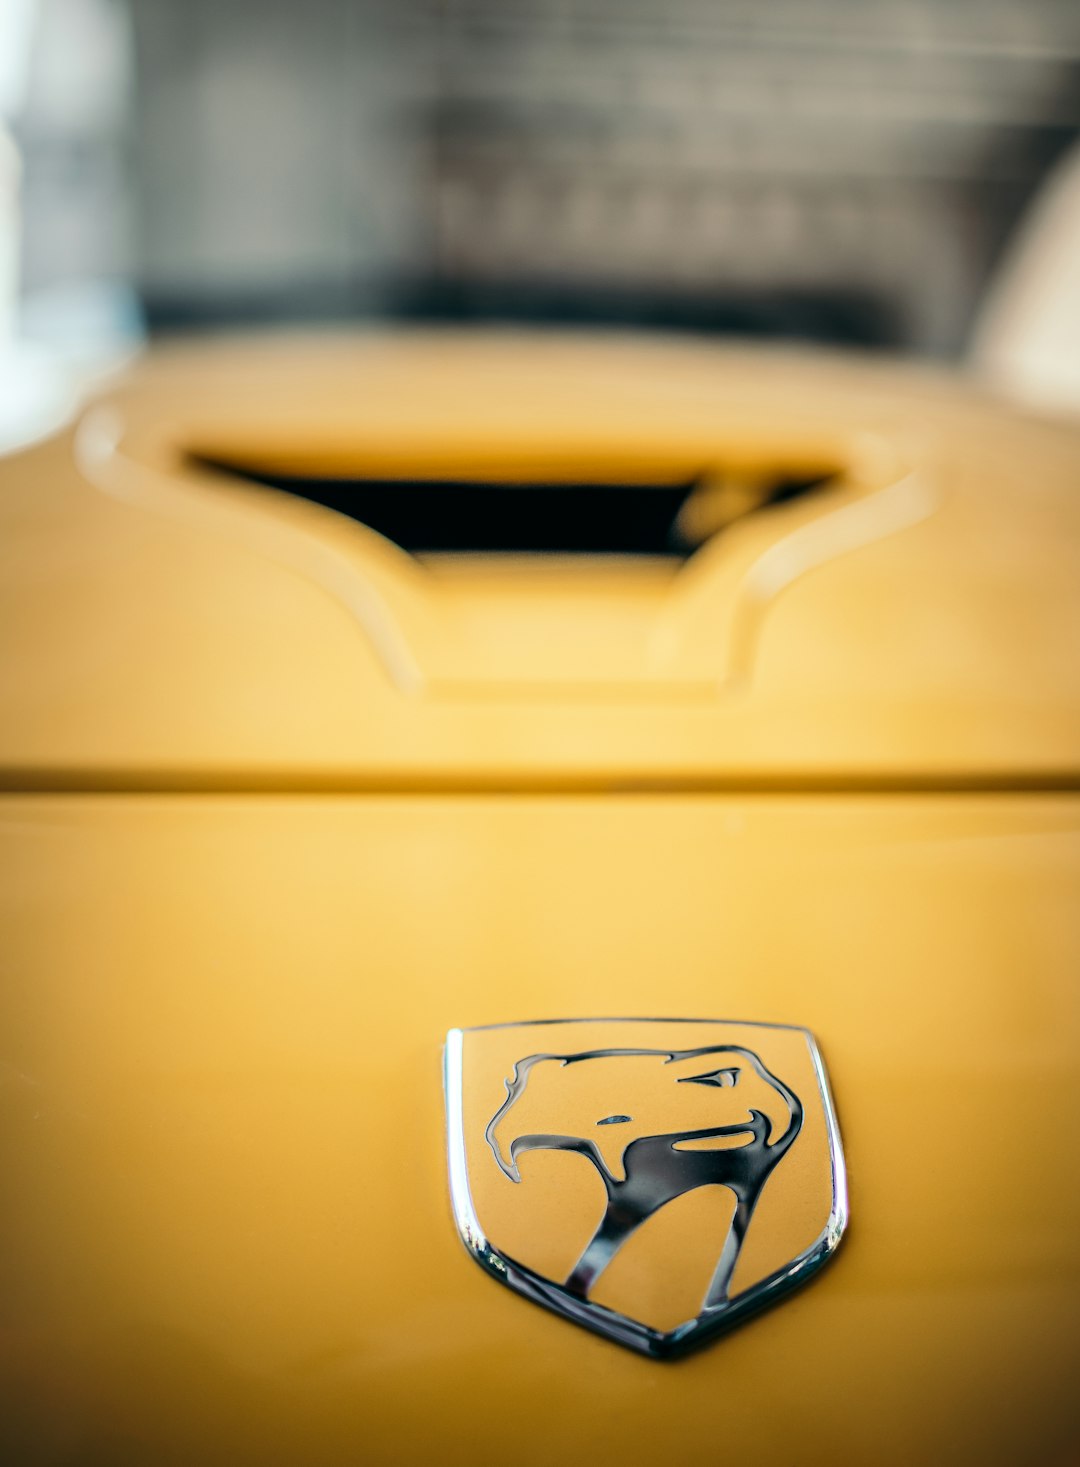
(656, 1180)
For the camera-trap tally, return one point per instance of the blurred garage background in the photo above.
(850, 171)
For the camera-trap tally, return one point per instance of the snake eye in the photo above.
(722, 1079)
(614, 1120)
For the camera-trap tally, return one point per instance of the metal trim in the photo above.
(657, 1344)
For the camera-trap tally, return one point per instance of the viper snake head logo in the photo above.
(655, 1124)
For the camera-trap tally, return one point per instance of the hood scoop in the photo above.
(565, 517)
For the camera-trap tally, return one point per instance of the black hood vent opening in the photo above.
(514, 517)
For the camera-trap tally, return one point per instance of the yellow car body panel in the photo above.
(284, 805)
(915, 619)
(227, 1231)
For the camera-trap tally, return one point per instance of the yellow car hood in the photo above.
(283, 804)
(914, 619)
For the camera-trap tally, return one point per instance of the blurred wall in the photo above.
(71, 125)
(840, 169)
(282, 155)
(847, 165)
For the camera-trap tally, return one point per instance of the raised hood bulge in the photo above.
(446, 559)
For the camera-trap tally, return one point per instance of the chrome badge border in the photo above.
(657, 1344)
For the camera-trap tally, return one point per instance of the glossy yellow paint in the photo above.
(227, 1232)
(282, 806)
(915, 619)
